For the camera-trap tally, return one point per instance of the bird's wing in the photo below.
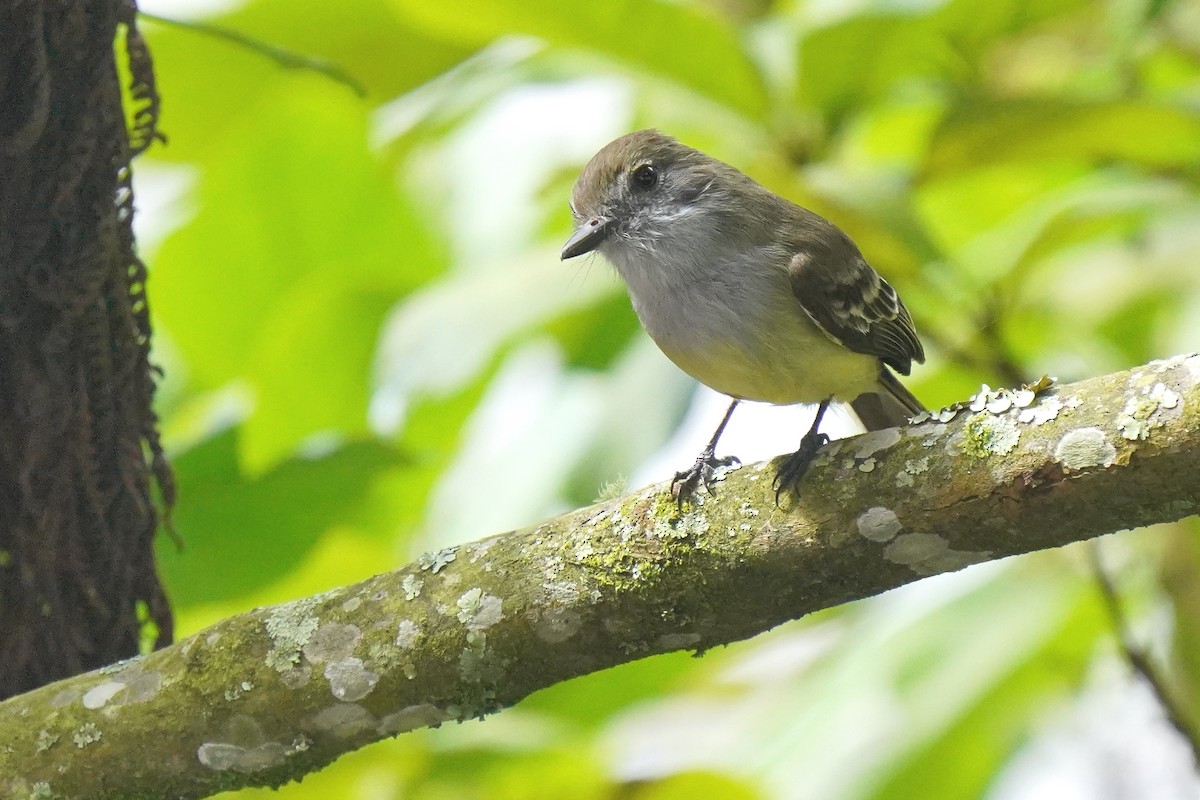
(851, 303)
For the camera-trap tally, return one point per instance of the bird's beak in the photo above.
(586, 238)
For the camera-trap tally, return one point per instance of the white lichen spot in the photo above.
(407, 634)
(238, 691)
(930, 554)
(946, 414)
(871, 443)
(352, 604)
(1073, 402)
(584, 550)
(904, 480)
(349, 680)
(1137, 419)
(879, 524)
(290, 626)
(411, 718)
(333, 641)
(1191, 365)
(343, 720)
(1084, 448)
(1023, 398)
(86, 734)
(100, 694)
(412, 586)
(867, 466)
(999, 404)
(1048, 408)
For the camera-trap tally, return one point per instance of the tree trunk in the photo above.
(79, 447)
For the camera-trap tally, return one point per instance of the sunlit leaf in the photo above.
(699, 52)
(1156, 136)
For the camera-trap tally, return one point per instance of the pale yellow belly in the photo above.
(794, 368)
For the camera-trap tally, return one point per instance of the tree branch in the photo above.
(269, 695)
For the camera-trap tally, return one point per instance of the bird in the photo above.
(747, 292)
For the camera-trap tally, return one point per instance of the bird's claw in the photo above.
(795, 466)
(685, 483)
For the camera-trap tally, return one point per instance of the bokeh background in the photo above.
(371, 349)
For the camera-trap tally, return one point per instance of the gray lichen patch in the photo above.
(986, 434)
(411, 718)
(554, 624)
(343, 720)
(86, 734)
(478, 610)
(412, 586)
(333, 641)
(879, 524)
(930, 554)
(45, 740)
(290, 626)
(1141, 414)
(669, 642)
(407, 634)
(871, 443)
(223, 756)
(436, 562)
(349, 679)
(480, 669)
(1084, 448)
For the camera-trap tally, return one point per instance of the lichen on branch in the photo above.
(264, 697)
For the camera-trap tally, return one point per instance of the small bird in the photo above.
(749, 293)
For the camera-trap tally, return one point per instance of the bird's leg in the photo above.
(792, 470)
(685, 483)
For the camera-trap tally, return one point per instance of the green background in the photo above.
(372, 350)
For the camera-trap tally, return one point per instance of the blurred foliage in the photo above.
(371, 350)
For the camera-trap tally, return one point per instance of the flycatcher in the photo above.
(747, 292)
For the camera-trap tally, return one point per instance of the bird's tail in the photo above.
(888, 405)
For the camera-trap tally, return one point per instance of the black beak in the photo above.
(586, 238)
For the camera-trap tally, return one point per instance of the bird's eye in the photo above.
(644, 178)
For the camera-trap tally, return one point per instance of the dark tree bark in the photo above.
(79, 448)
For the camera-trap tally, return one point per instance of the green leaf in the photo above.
(301, 244)
(967, 754)
(1027, 132)
(241, 533)
(209, 84)
(681, 42)
(858, 60)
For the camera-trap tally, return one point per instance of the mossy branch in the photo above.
(267, 696)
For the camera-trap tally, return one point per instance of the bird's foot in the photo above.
(794, 467)
(685, 483)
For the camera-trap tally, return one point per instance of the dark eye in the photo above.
(644, 178)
